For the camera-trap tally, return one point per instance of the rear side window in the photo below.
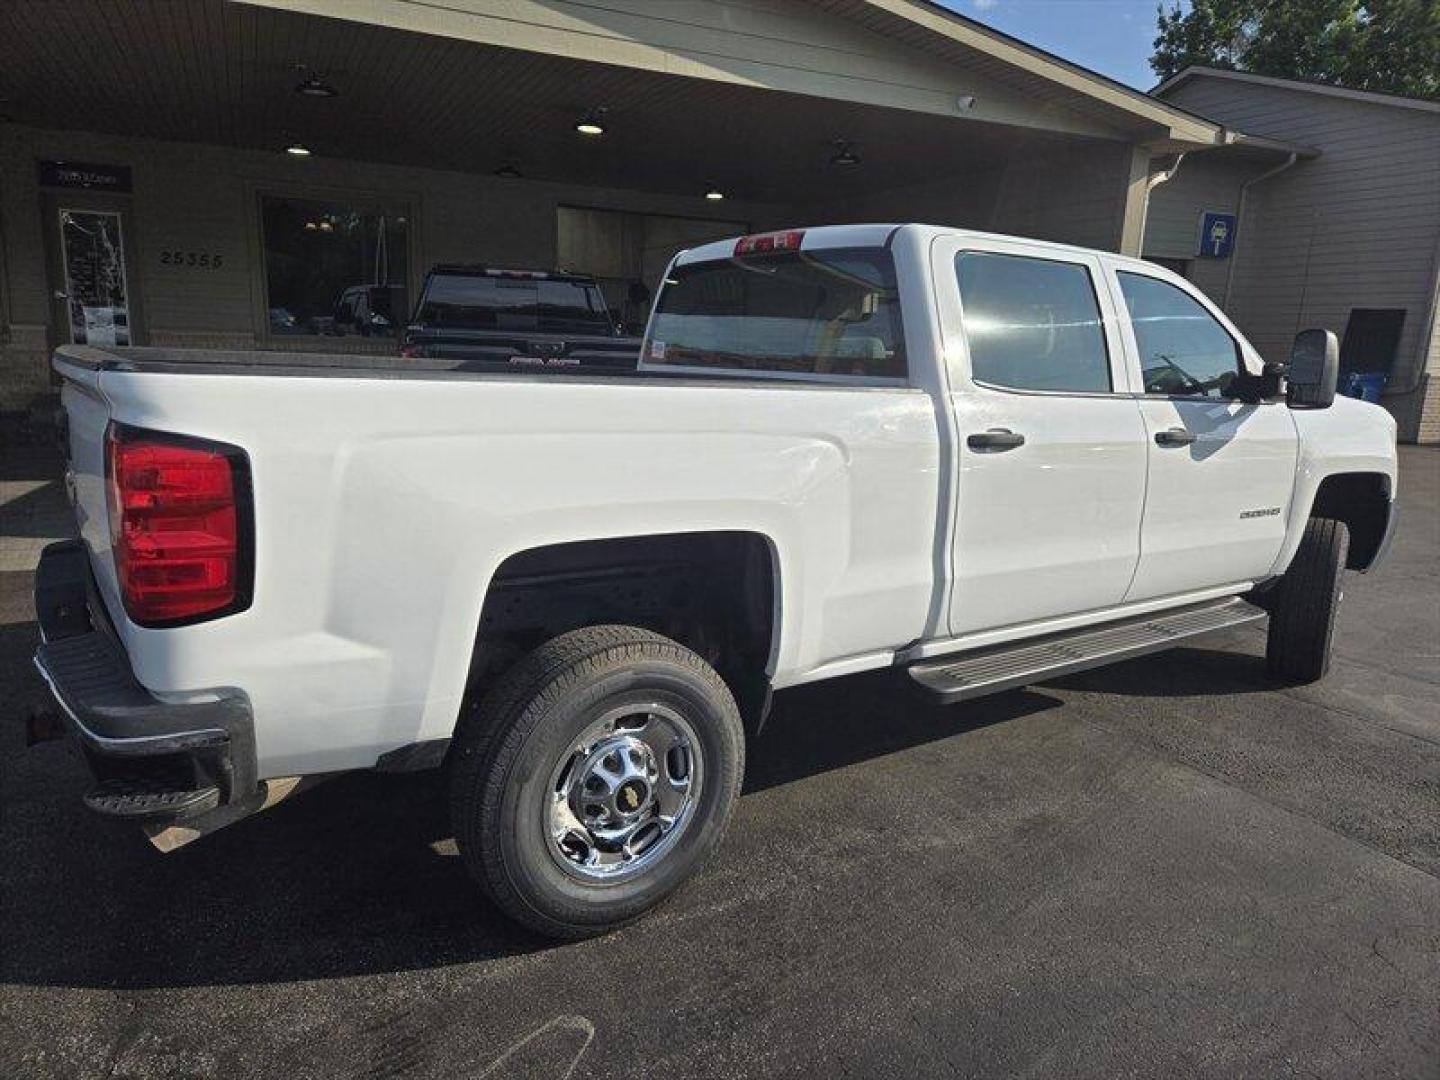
(1184, 351)
(483, 302)
(833, 312)
(1032, 324)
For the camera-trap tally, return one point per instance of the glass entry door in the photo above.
(95, 288)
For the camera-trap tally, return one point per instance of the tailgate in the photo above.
(87, 414)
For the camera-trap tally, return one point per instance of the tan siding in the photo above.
(1356, 227)
(1019, 195)
(1086, 207)
(1203, 182)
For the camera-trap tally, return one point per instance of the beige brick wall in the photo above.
(24, 367)
(1429, 427)
(205, 198)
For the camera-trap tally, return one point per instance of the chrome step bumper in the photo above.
(1005, 667)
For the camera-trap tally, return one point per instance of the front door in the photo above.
(1221, 470)
(91, 270)
(1051, 477)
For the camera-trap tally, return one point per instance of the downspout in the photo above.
(1150, 185)
(1432, 325)
(1240, 223)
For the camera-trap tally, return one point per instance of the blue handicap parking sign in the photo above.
(1217, 234)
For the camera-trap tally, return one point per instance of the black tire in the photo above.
(1304, 604)
(505, 753)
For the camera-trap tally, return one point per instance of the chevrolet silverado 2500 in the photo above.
(988, 461)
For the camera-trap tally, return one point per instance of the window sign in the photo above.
(1217, 235)
(96, 296)
(78, 174)
(334, 268)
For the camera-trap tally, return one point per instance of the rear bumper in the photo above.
(129, 736)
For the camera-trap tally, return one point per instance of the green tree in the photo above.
(1387, 45)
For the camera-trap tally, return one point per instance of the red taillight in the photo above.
(410, 352)
(777, 241)
(175, 525)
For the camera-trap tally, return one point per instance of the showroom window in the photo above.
(335, 267)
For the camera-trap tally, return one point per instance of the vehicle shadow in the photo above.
(354, 877)
(1180, 672)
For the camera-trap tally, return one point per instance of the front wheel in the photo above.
(1304, 605)
(594, 778)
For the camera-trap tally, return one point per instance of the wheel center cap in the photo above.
(631, 796)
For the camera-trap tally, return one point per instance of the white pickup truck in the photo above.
(987, 460)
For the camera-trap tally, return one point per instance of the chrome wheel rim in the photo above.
(623, 792)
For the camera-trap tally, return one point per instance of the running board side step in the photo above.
(1005, 667)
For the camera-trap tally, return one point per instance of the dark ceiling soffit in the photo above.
(1060, 61)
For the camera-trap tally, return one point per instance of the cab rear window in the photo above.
(829, 313)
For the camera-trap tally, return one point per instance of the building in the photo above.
(1344, 235)
(219, 174)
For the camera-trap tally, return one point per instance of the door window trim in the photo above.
(947, 251)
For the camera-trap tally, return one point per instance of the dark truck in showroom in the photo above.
(487, 317)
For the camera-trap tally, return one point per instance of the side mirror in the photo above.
(1314, 370)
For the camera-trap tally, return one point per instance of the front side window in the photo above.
(323, 257)
(1184, 351)
(1032, 324)
(831, 312)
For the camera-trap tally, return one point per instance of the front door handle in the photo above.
(1174, 437)
(995, 439)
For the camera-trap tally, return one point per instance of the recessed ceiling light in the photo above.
(315, 86)
(298, 149)
(844, 154)
(714, 194)
(591, 125)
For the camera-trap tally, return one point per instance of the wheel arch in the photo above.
(1362, 500)
(718, 592)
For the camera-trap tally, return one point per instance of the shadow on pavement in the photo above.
(354, 877)
(358, 875)
(1183, 672)
(41, 512)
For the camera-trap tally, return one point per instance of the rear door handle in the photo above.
(995, 439)
(1174, 437)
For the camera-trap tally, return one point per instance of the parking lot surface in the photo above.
(1170, 867)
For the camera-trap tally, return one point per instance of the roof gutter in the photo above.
(1240, 222)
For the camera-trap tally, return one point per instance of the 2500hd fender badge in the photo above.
(1267, 511)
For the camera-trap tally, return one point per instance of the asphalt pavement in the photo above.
(1169, 867)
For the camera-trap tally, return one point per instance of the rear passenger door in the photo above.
(1221, 471)
(1051, 448)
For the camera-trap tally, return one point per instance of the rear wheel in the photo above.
(594, 778)
(1304, 604)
